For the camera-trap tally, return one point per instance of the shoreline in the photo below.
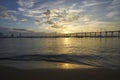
(9, 73)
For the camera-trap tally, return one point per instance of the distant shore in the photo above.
(64, 37)
(8, 73)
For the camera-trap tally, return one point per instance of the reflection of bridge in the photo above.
(95, 34)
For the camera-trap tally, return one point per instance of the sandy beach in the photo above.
(9, 73)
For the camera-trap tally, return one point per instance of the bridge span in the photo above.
(95, 34)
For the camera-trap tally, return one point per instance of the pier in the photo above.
(96, 34)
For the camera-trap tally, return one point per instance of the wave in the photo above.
(111, 61)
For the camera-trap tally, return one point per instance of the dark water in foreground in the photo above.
(104, 52)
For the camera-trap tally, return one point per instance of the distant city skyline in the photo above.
(61, 16)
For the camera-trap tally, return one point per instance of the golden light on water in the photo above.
(73, 66)
(67, 66)
(66, 41)
(53, 65)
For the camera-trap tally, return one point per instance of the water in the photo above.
(70, 52)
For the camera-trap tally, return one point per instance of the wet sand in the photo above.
(9, 73)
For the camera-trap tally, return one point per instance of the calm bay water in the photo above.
(96, 52)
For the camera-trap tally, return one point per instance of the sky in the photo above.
(62, 16)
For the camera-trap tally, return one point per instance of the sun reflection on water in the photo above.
(66, 66)
(66, 41)
(73, 66)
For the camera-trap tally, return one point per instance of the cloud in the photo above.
(115, 15)
(37, 8)
(65, 14)
(20, 30)
(92, 3)
(23, 20)
(93, 26)
(14, 30)
(26, 3)
(73, 5)
(115, 2)
(54, 16)
(112, 14)
(4, 29)
(29, 9)
(5, 14)
(62, 17)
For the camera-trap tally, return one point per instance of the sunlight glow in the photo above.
(73, 66)
(67, 66)
(66, 32)
(67, 41)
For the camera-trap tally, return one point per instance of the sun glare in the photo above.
(66, 32)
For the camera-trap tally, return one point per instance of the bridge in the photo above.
(95, 34)
(101, 34)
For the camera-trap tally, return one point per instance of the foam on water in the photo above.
(111, 62)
